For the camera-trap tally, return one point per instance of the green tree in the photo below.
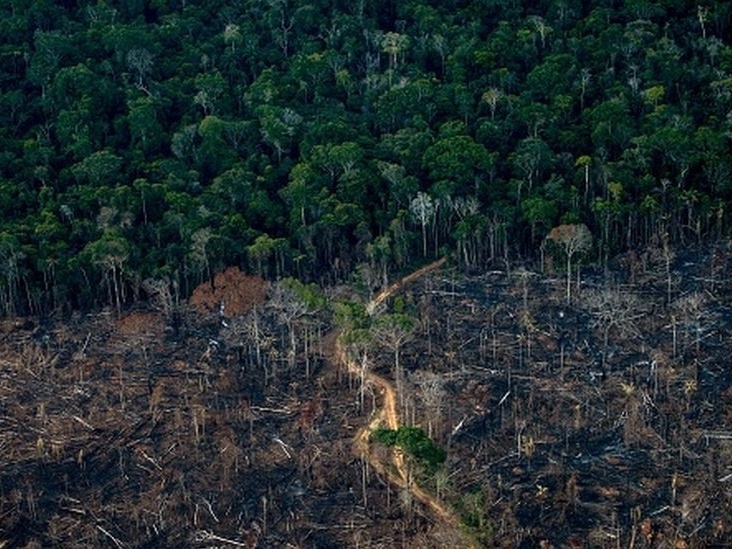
(552, 77)
(110, 254)
(11, 256)
(415, 442)
(278, 127)
(211, 90)
(266, 249)
(50, 47)
(612, 125)
(458, 163)
(530, 160)
(146, 131)
(100, 168)
(213, 154)
(540, 212)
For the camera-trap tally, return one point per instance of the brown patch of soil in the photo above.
(141, 324)
(237, 291)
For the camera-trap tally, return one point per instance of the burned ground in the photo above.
(601, 422)
(574, 438)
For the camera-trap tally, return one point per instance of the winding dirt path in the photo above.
(394, 471)
(393, 288)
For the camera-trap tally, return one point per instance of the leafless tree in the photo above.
(524, 275)
(668, 257)
(613, 311)
(690, 312)
(423, 209)
(290, 308)
(393, 330)
(159, 291)
(253, 334)
(358, 341)
(433, 396)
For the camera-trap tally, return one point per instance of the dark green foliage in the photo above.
(415, 442)
(297, 135)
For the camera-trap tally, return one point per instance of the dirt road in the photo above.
(395, 471)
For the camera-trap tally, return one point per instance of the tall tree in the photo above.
(573, 240)
(423, 209)
(110, 253)
(394, 330)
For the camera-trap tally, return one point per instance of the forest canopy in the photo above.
(166, 140)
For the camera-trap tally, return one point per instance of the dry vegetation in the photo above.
(599, 423)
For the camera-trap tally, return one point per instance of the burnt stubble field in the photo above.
(598, 419)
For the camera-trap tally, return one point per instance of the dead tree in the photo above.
(433, 396)
(691, 314)
(159, 291)
(290, 308)
(613, 311)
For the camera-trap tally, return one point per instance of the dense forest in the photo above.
(149, 143)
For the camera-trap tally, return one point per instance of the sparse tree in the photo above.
(702, 15)
(573, 240)
(615, 311)
(110, 253)
(585, 77)
(359, 342)
(585, 162)
(354, 323)
(690, 312)
(541, 27)
(394, 43)
(423, 209)
(198, 253)
(393, 330)
(433, 394)
(159, 289)
(289, 310)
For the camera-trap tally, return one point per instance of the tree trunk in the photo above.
(569, 277)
